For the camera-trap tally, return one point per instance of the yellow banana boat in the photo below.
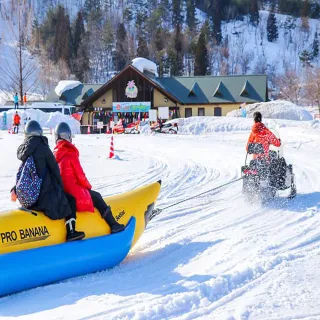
(33, 251)
(24, 229)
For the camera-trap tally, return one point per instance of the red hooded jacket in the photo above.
(261, 134)
(74, 179)
(16, 119)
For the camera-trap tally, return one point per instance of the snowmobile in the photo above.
(262, 177)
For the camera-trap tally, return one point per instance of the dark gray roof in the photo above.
(219, 89)
(74, 96)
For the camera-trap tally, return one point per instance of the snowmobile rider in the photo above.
(53, 201)
(261, 134)
(74, 179)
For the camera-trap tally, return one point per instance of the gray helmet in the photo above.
(62, 132)
(33, 128)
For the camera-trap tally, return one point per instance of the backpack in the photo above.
(28, 184)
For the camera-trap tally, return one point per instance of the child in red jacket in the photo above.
(74, 179)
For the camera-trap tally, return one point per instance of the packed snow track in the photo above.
(213, 257)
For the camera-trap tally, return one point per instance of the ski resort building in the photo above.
(134, 92)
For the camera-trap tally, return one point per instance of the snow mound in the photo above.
(144, 64)
(278, 109)
(46, 119)
(65, 85)
(211, 125)
(207, 125)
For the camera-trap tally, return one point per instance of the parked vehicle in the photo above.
(168, 128)
(131, 128)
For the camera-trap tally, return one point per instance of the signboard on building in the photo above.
(131, 106)
(153, 115)
(163, 112)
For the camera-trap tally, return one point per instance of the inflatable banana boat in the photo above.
(33, 251)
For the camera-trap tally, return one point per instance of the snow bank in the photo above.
(210, 125)
(278, 109)
(65, 85)
(46, 120)
(144, 64)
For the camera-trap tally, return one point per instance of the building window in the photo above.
(188, 112)
(217, 112)
(201, 112)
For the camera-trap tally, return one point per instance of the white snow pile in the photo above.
(207, 125)
(278, 109)
(144, 64)
(65, 85)
(46, 119)
(211, 125)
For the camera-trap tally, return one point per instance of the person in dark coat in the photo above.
(53, 201)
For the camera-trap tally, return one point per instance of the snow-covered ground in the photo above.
(213, 257)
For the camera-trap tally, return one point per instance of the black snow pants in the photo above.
(98, 202)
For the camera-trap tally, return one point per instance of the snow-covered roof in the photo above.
(65, 85)
(144, 64)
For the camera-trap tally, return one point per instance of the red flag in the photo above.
(77, 115)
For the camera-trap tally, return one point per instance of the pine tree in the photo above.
(216, 19)
(79, 33)
(159, 46)
(306, 58)
(121, 54)
(80, 51)
(62, 38)
(191, 14)
(175, 53)
(206, 29)
(272, 28)
(254, 12)
(142, 50)
(304, 15)
(201, 61)
(81, 63)
(176, 13)
(36, 39)
(289, 26)
(315, 46)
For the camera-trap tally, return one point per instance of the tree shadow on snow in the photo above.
(150, 272)
(301, 203)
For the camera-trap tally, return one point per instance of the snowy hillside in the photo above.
(248, 45)
(212, 257)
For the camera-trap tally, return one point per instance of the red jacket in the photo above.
(74, 179)
(16, 119)
(261, 134)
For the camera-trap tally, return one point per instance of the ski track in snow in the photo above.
(212, 257)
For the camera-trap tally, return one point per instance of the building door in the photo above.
(188, 112)
(217, 112)
(201, 112)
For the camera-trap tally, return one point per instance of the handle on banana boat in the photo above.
(156, 212)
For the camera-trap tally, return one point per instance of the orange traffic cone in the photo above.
(111, 154)
(89, 130)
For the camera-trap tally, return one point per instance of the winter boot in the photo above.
(114, 225)
(72, 234)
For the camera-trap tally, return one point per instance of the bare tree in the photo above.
(313, 86)
(291, 87)
(18, 68)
